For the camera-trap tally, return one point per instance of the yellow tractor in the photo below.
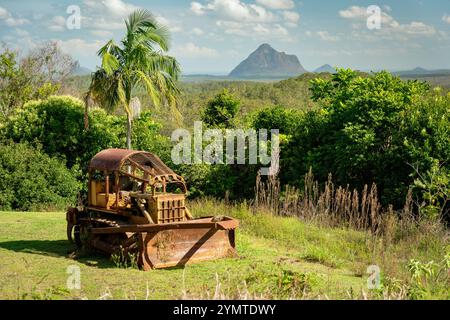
(136, 207)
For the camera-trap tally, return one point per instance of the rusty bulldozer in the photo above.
(136, 207)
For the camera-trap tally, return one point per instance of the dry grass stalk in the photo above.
(330, 205)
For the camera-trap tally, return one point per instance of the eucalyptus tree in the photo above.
(139, 61)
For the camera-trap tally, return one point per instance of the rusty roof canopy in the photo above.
(114, 159)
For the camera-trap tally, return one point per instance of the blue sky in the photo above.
(212, 36)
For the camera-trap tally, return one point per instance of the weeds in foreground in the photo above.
(336, 206)
(124, 259)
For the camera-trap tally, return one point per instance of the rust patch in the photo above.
(165, 244)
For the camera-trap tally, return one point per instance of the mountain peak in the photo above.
(268, 62)
(325, 68)
(265, 46)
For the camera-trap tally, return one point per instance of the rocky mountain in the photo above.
(325, 68)
(81, 71)
(422, 72)
(269, 63)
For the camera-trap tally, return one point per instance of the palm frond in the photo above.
(103, 90)
(110, 63)
(121, 92)
(153, 91)
(112, 48)
(157, 62)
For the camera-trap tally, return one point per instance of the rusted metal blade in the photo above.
(227, 223)
(172, 248)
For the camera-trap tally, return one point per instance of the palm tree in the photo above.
(140, 61)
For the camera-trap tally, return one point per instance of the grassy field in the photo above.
(278, 258)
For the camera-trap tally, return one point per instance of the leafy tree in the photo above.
(57, 125)
(31, 180)
(139, 62)
(49, 63)
(220, 112)
(359, 135)
(278, 117)
(36, 76)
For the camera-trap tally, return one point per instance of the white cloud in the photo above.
(79, 47)
(236, 17)
(4, 14)
(354, 12)
(197, 8)
(117, 8)
(102, 33)
(106, 14)
(292, 18)
(58, 23)
(173, 26)
(234, 10)
(22, 33)
(191, 50)
(326, 36)
(9, 20)
(277, 4)
(389, 26)
(198, 32)
(446, 18)
(100, 23)
(252, 30)
(416, 28)
(13, 22)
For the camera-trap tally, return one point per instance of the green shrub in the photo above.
(57, 124)
(31, 180)
(374, 129)
(277, 117)
(221, 111)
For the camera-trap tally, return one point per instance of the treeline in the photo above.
(364, 130)
(360, 129)
(253, 96)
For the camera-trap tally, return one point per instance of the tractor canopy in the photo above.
(140, 165)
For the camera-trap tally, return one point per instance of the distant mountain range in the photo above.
(325, 68)
(422, 72)
(81, 71)
(267, 62)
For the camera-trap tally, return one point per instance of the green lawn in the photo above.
(278, 258)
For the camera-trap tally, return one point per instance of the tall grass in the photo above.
(333, 206)
(343, 228)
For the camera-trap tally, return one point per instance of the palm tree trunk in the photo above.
(129, 128)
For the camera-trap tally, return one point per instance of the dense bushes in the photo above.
(31, 180)
(220, 112)
(374, 129)
(57, 124)
(365, 129)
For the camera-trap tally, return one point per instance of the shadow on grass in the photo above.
(57, 248)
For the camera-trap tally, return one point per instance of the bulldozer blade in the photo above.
(190, 242)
